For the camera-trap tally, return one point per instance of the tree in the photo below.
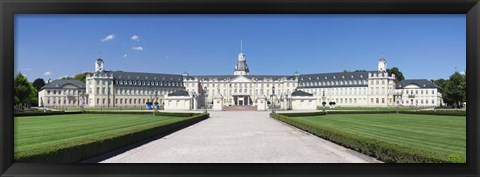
(454, 91)
(38, 83)
(398, 74)
(22, 90)
(81, 77)
(440, 83)
(33, 98)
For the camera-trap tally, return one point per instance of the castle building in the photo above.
(374, 88)
(62, 93)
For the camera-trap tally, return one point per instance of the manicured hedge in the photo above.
(88, 150)
(176, 114)
(300, 114)
(43, 113)
(383, 151)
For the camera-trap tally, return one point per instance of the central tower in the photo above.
(241, 68)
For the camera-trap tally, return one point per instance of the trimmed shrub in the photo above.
(300, 114)
(176, 114)
(91, 149)
(389, 153)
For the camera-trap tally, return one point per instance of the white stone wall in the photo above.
(241, 86)
(177, 103)
(304, 103)
(65, 96)
(415, 96)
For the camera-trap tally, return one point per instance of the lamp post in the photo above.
(205, 99)
(273, 94)
(156, 101)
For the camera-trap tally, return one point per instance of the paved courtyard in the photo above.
(240, 137)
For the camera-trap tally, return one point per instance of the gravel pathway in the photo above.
(240, 137)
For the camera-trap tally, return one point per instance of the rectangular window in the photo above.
(377, 100)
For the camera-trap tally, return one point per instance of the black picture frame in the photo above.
(8, 9)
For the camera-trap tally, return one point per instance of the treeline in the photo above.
(454, 89)
(26, 93)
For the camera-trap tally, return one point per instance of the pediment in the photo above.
(411, 86)
(70, 86)
(241, 79)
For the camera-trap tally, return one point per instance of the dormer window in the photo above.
(423, 85)
(325, 77)
(334, 77)
(361, 76)
(343, 77)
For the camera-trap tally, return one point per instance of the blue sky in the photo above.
(422, 46)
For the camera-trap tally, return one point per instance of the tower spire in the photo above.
(241, 45)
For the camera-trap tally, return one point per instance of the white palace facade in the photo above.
(221, 92)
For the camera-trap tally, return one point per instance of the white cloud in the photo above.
(48, 73)
(135, 38)
(28, 69)
(109, 37)
(125, 55)
(139, 48)
(462, 72)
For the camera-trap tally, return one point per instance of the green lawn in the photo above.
(444, 136)
(43, 134)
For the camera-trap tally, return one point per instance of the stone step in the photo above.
(240, 108)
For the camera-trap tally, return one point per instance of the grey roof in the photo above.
(224, 77)
(422, 83)
(179, 93)
(120, 75)
(338, 76)
(242, 66)
(275, 77)
(212, 77)
(301, 93)
(56, 84)
(147, 77)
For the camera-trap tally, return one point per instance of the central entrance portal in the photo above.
(243, 100)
